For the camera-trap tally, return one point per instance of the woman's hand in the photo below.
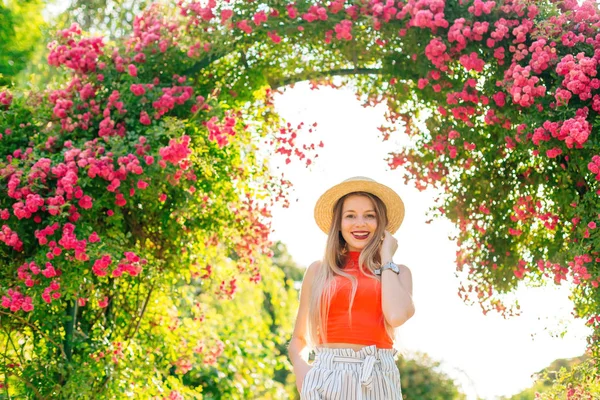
(300, 371)
(388, 248)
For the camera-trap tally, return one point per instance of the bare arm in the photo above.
(396, 290)
(396, 296)
(300, 336)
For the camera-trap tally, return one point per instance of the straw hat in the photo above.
(393, 202)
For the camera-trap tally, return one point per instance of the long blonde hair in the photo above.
(334, 259)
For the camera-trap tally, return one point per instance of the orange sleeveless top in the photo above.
(367, 326)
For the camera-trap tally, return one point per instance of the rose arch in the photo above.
(135, 184)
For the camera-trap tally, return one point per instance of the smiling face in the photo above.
(359, 222)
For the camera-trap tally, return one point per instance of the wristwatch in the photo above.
(389, 265)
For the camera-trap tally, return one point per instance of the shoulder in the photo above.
(312, 269)
(309, 274)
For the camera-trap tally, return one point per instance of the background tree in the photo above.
(283, 259)
(111, 18)
(422, 379)
(21, 25)
(553, 381)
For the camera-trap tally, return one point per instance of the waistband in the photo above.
(363, 361)
(327, 357)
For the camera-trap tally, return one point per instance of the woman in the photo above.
(352, 300)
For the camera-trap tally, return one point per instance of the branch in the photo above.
(146, 301)
(29, 385)
(24, 321)
(322, 74)
(69, 326)
(203, 63)
(140, 315)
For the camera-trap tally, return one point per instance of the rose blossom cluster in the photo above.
(559, 272)
(524, 209)
(435, 51)
(132, 265)
(594, 166)
(25, 271)
(151, 28)
(5, 98)
(381, 10)
(523, 87)
(176, 95)
(51, 292)
(460, 33)
(501, 31)
(542, 55)
(545, 132)
(177, 150)
(575, 131)
(220, 133)
(579, 75)
(472, 62)
(32, 204)
(69, 241)
(520, 31)
(343, 30)
(11, 238)
(199, 9)
(101, 265)
(578, 269)
(466, 95)
(81, 56)
(425, 14)
(17, 301)
(480, 7)
(315, 13)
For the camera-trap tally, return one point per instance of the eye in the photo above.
(371, 216)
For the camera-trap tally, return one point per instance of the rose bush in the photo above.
(121, 180)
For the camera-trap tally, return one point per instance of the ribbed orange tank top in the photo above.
(367, 325)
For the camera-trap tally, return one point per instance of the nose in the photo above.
(360, 221)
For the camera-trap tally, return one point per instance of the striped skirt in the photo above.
(346, 374)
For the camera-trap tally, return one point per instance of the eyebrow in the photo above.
(347, 211)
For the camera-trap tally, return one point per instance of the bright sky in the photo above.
(488, 355)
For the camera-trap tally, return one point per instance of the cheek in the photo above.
(345, 227)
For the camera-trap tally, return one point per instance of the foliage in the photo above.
(284, 260)
(112, 18)
(21, 27)
(422, 380)
(581, 382)
(112, 212)
(561, 379)
(122, 181)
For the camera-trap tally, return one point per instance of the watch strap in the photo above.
(389, 265)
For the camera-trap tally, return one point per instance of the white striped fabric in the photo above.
(346, 374)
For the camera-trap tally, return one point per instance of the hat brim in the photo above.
(393, 203)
